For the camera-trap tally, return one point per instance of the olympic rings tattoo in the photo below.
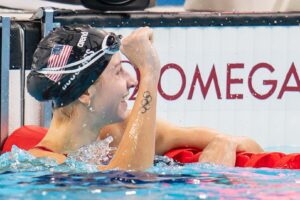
(146, 102)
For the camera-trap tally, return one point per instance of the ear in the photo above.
(87, 96)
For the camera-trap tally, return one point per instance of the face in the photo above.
(112, 91)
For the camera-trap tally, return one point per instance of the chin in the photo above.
(122, 111)
(122, 116)
(119, 116)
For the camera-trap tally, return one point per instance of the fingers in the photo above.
(148, 33)
(143, 33)
(137, 47)
(141, 37)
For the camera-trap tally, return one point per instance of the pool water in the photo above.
(24, 177)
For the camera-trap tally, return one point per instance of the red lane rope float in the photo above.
(243, 159)
(28, 137)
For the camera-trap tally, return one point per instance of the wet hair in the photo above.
(68, 61)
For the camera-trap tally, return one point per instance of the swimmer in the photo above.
(79, 69)
(89, 94)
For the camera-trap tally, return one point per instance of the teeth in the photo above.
(126, 97)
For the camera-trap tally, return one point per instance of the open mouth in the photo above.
(125, 97)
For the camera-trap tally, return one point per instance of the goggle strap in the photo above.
(48, 71)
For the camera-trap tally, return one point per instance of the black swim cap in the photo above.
(68, 61)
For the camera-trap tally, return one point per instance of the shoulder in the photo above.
(60, 158)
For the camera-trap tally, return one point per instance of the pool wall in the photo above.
(237, 73)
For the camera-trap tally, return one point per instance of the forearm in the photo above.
(196, 137)
(170, 137)
(137, 147)
(177, 137)
(201, 137)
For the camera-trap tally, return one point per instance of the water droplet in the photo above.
(96, 191)
(196, 181)
(130, 192)
(202, 196)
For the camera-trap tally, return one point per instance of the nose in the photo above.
(131, 81)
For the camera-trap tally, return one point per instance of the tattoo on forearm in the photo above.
(146, 102)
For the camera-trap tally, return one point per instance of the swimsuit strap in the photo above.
(43, 148)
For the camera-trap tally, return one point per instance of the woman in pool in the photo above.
(79, 69)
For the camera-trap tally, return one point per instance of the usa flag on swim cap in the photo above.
(58, 58)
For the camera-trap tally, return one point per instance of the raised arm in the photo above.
(137, 147)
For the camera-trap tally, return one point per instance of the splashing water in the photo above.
(98, 153)
(19, 160)
(84, 159)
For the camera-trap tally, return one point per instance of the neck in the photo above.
(71, 134)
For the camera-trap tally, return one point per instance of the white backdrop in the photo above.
(273, 50)
(271, 53)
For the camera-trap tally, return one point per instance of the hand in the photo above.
(248, 145)
(221, 150)
(137, 47)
